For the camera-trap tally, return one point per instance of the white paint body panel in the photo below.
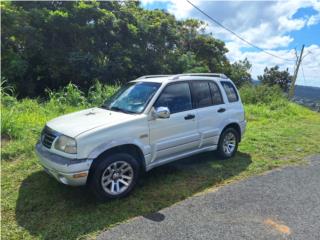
(173, 136)
(160, 140)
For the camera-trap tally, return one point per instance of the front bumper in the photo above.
(68, 171)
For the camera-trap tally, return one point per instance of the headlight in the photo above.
(66, 144)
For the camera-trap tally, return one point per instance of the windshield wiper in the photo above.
(117, 109)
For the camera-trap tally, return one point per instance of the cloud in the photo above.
(266, 24)
(310, 67)
(310, 64)
(313, 20)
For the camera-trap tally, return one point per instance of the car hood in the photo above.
(76, 123)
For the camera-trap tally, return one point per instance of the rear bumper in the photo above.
(68, 171)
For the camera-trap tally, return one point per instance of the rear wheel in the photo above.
(115, 176)
(228, 143)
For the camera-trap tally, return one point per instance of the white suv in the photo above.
(150, 121)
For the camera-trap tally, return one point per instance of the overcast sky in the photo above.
(277, 26)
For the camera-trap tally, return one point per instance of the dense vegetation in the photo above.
(35, 206)
(274, 76)
(49, 44)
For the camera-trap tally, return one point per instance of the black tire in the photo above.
(223, 153)
(105, 167)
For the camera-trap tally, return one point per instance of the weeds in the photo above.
(261, 94)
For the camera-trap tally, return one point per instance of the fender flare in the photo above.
(145, 149)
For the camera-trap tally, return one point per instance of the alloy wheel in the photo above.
(229, 143)
(117, 177)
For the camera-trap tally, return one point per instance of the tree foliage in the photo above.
(50, 44)
(239, 72)
(274, 76)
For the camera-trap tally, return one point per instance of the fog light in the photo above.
(80, 175)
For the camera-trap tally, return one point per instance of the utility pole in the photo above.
(295, 75)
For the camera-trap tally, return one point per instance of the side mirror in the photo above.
(162, 112)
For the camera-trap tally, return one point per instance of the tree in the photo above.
(48, 44)
(239, 72)
(274, 76)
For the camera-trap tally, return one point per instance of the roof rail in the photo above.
(153, 76)
(219, 75)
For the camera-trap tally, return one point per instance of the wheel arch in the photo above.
(235, 126)
(131, 149)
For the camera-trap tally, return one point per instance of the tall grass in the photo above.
(22, 120)
(261, 94)
(269, 103)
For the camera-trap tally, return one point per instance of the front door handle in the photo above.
(221, 110)
(189, 116)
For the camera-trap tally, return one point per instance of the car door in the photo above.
(210, 111)
(177, 134)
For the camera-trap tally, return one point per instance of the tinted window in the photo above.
(215, 93)
(176, 97)
(230, 91)
(201, 94)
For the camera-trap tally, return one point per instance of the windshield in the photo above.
(132, 98)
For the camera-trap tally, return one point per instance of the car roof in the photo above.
(180, 77)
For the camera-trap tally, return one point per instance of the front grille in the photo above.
(47, 137)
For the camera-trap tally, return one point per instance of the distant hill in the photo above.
(307, 92)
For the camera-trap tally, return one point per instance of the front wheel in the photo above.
(115, 176)
(228, 143)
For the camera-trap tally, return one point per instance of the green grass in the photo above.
(35, 206)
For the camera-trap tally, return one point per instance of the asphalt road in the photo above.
(282, 204)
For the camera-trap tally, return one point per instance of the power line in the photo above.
(238, 36)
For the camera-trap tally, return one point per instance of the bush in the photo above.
(261, 94)
(69, 95)
(274, 76)
(99, 93)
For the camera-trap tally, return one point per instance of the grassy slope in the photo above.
(35, 206)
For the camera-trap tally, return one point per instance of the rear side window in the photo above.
(201, 94)
(230, 91)
(215, 93)
(176, 97)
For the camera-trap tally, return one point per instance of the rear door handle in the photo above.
(189, 116)
(221, 110)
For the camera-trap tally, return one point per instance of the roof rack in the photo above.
(153, 76)
(177, 76)
(219, 75)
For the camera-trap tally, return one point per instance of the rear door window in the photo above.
(230, 91)
(201, 94)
